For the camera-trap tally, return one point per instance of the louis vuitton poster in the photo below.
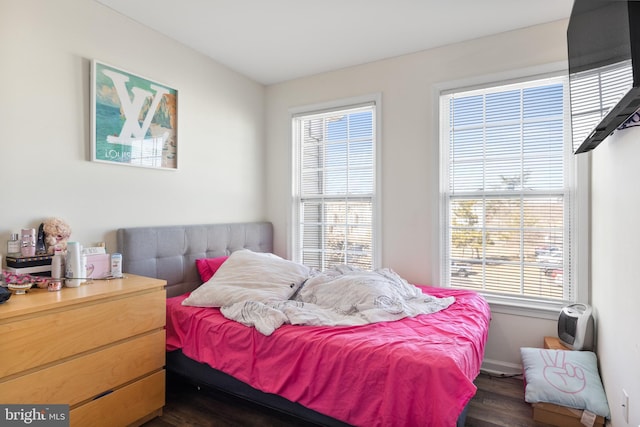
(134, 119)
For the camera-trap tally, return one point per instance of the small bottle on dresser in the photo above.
(57, 265)
(57, 271)
(116, 265)
(28, 244)
(13, 245)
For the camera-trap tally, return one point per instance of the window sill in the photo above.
(525, 308)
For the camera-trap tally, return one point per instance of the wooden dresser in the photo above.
(100, 348)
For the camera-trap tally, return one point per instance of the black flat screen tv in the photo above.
(603, 39)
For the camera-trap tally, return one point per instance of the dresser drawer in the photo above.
(29, 341)
(124, 406)
(87, 376)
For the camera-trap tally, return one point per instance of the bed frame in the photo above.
(169, 253)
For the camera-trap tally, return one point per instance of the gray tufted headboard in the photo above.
(170, 252)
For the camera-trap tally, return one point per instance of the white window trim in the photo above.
(581, 243)
(293, 219)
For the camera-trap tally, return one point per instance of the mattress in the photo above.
(415, 371)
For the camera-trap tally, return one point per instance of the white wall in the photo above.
(615, 269)
(410, 150)
(45, 53)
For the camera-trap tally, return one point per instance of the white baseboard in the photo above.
(498, 367)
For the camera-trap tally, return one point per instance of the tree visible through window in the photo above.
(506, 181)
(334, 187)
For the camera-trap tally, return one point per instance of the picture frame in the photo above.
(134, 119)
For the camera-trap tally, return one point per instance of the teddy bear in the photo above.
(56, 232)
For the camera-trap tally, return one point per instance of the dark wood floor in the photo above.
(498, 402)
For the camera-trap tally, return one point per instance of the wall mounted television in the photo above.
(603, 39)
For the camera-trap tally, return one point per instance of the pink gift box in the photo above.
(98, 266)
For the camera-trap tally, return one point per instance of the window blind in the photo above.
(506, 190)
(610, 83)
(335, 186)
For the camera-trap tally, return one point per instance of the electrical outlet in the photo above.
(625, 406)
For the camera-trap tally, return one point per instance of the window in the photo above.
(335, 187)
(507, 186)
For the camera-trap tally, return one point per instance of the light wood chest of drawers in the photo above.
(100, 348)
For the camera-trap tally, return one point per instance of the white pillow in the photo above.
(564, 377)
(250, 276)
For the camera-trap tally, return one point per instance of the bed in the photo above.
(414, 371)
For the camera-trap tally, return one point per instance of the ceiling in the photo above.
(273, 41)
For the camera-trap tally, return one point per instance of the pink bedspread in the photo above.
(412, 372)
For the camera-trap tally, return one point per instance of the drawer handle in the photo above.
(102, 394)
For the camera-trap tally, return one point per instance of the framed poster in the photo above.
(134, 119)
